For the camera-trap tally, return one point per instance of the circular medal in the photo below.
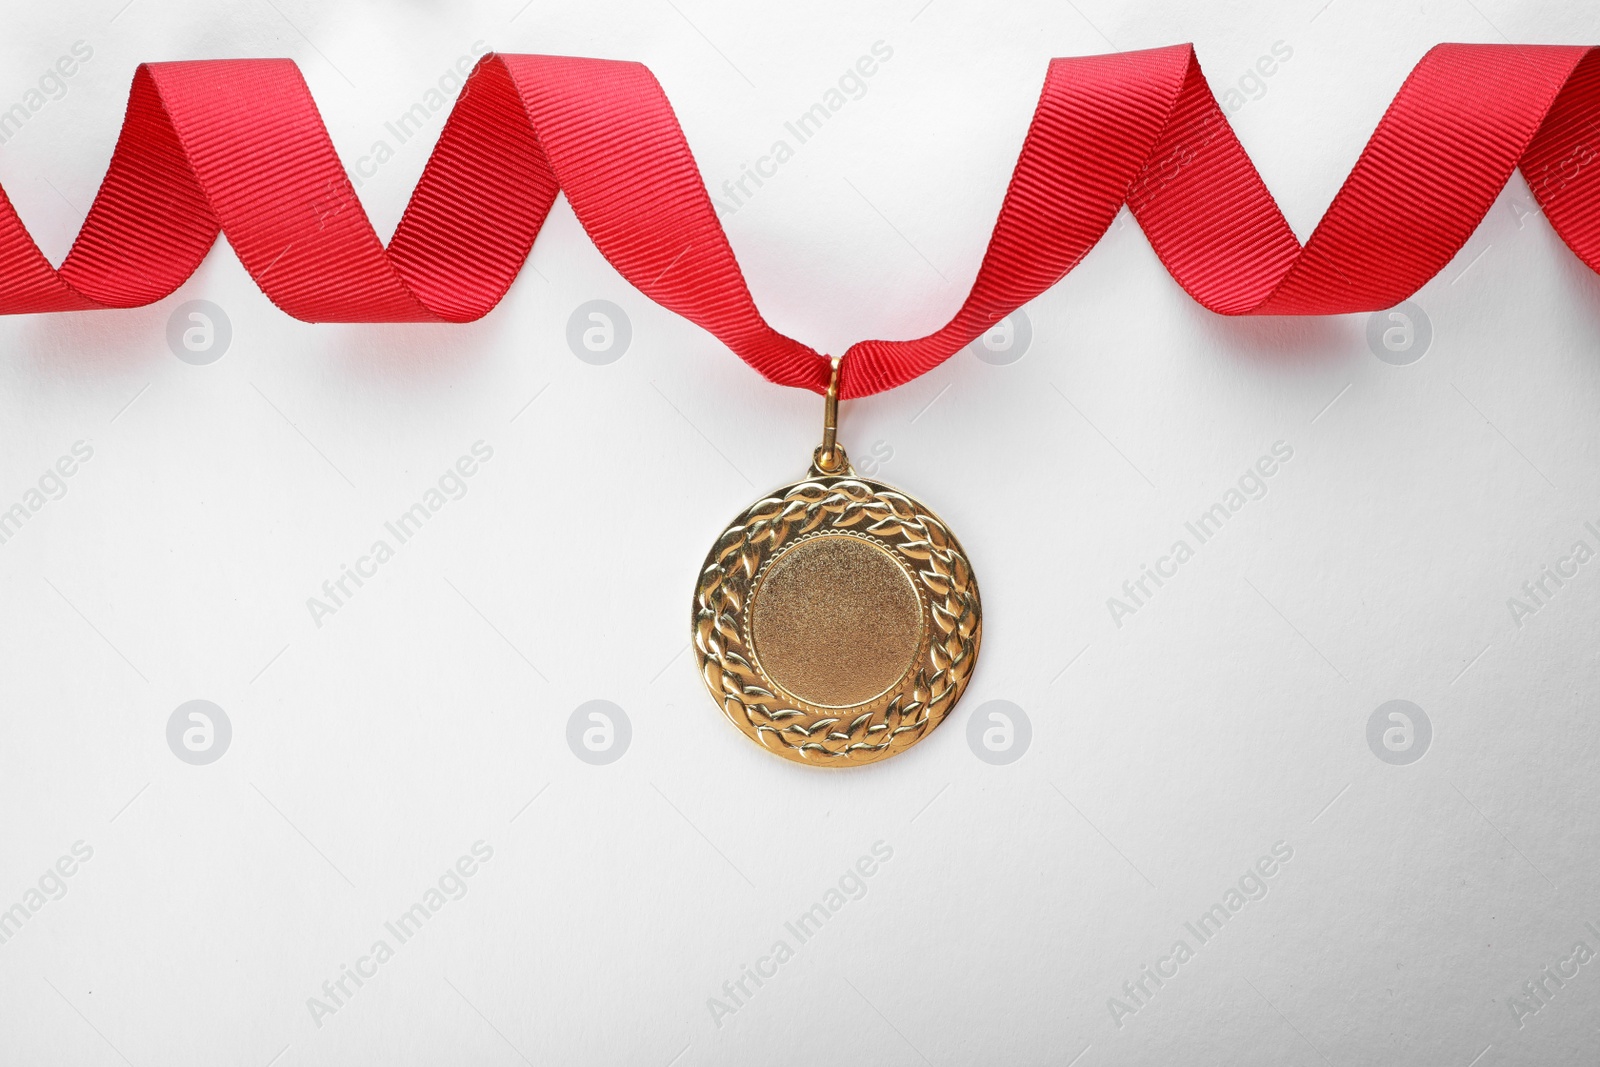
(837, 619)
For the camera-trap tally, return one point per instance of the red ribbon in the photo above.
(237, 146)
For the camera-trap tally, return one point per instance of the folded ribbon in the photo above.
(237, 147)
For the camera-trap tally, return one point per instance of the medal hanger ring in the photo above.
(830, 457)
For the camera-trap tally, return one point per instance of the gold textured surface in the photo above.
(835, 620)
(753, 690)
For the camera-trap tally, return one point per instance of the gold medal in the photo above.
(837, 619)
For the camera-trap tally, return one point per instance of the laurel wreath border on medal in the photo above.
(945, 586)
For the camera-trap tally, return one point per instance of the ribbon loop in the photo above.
(237, 147)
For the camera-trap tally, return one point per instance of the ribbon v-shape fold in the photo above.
(237, 147)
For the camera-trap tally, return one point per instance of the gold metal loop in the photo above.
(829, 457)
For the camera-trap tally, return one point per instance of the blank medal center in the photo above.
(836, 621)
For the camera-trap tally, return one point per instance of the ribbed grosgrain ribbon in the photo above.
(237, 146)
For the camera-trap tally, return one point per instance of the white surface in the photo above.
(1227, 715)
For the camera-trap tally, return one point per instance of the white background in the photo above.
(1167, 754)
